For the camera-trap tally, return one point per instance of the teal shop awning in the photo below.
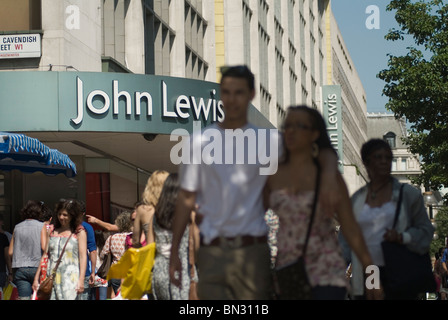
(20, 152)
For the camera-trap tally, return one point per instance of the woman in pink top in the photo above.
(290, 194)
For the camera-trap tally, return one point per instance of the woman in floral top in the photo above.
(116, 244)
(69, 279)
(290, 194)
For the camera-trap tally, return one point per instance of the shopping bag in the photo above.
(135, 267)
(10, 292)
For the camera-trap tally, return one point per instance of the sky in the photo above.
(363, 31)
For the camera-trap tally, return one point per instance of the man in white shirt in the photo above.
(234, 257)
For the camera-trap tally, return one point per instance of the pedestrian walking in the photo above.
(292, 193)
(164, 212)
(374, 206)
(89, 280)
(25, 248)
(116, 245)
(145, 211)
(100, 287)
(67, 231)
(234, 256)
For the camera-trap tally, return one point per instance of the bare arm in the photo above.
(9, 257)
(352, 232)
(93, 257)
(8, 262)
(329, 193)
(35, 284)
(144, 215)
(184, 206)
(43, 237)
(11, 248)
(102, 224)
(82, 248)
(350, 227)
(196, 231)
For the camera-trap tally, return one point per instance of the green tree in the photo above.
(441, 231)
(417, 84)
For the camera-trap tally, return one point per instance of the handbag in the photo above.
(292, 282)
(415, 277)
(45, 287)
(44, 260)
(107, 262)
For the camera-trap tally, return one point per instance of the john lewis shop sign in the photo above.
(332, 112)
(105, 102)
(139, 103)
(108, 102)
(184, 107)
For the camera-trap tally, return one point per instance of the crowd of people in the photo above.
(222, 230)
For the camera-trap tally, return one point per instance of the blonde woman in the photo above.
(145, 213)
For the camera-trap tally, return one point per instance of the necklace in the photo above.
(374, 193)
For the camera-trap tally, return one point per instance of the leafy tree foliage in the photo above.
(441, 232)
(417, 84)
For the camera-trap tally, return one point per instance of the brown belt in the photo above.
(237, 242)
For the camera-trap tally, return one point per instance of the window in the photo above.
(159, 38)
(264, 40)
(403, 164)
(247, 17)
(20, 15)
(195, 28)
(390, 138)
(394, 164)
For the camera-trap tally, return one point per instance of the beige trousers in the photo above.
(234, 274)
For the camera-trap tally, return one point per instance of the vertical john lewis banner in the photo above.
(332, 112)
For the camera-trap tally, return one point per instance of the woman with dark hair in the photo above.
(163, 218)
(100, 284)
(374, 207)
(67, 232)
(24, 248)
(291, 193)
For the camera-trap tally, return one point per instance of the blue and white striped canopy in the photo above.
(18, 151)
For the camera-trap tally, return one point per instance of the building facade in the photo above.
(385, 126)
(107, 81)
(405, 164)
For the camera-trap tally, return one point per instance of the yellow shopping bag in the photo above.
(10, 292)
(135, 267)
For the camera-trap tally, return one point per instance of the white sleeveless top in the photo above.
(374, 222)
